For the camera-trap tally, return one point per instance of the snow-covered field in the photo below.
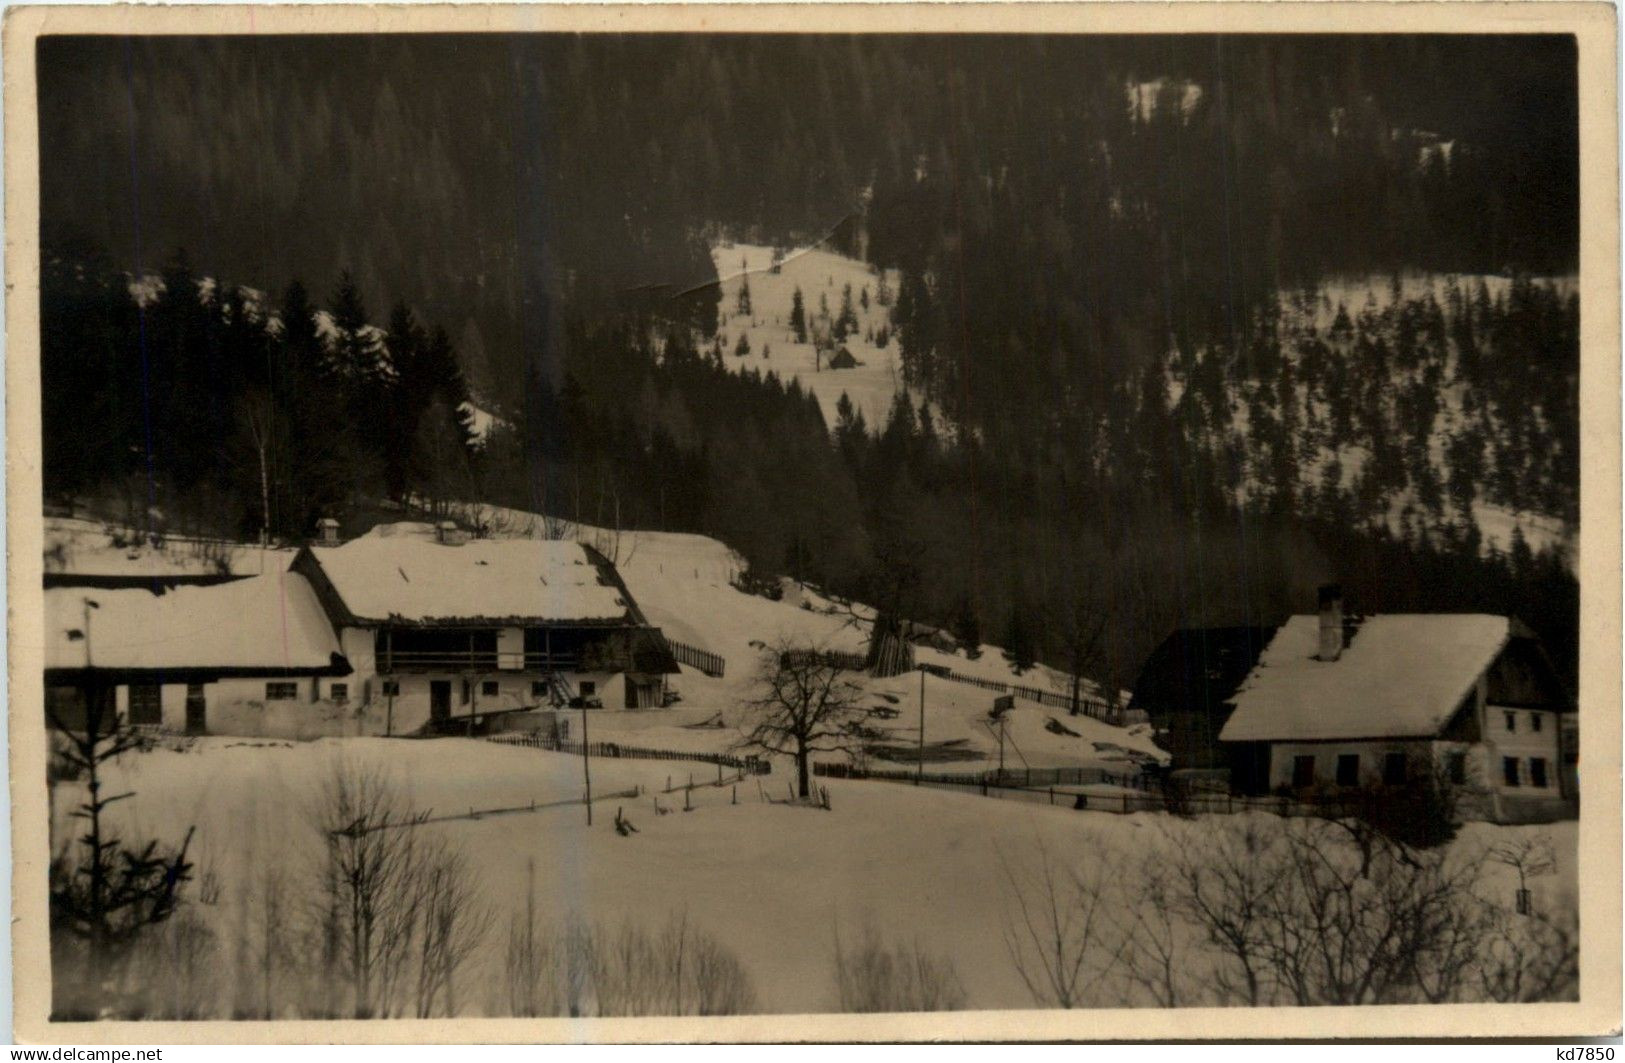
(822, 277)
(773, 881)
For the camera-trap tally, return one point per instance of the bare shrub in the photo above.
(581, 969)
(1059, 934)
(874, 975)
(266, 952)
(716, 982)
(1153, 956)
(1388, 926)
(1224, 888)
(176, 968)
(1524, 958)
(452, 923)
(1310, 912)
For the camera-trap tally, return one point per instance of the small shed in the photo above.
(843, 359)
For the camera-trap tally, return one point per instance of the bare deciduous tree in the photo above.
(1153, 956)
(1223, 888)
(371, 861)
(1060, 935)
(452, 923)
(803, 705)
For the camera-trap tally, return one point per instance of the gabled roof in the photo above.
(264, 625)
(1401, 676)
(1198, 668)
(400, 574)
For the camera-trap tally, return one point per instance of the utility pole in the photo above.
(919, 767)
(1001, 749)
(89, 605)
(586, 764)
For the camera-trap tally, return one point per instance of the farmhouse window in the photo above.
(1537, 772)
(1509, 768)
(281, 691)
(1348, 769)
(1303, 772)
(1534, 722)
(1455, 764)
(489, 688)
(145, 704)
(588, 688)
(1512, 722)
(341, 693)
(1393, 769)
(538, 688)
(392, 688)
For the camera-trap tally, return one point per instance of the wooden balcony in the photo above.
(477, 661)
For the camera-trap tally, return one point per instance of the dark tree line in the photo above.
(184, 399)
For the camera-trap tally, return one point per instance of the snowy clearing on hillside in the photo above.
(774, 883)
(822, 277)
(76, 546)
(482, 421)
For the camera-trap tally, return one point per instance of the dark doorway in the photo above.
(196, 710)
(439, 699)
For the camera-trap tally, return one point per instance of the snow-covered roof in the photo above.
(400, 572)
(1401, 676)
(271, 622)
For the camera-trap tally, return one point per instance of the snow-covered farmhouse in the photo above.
(251, 656)
(439, 626)
(1337, 702)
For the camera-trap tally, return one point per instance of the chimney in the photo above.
(327, 532)
(1331, 622)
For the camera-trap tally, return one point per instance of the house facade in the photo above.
(252, 656)
(440, 627)
(1335, 703)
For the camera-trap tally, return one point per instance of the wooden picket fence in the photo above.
(1141, 793)
(749, 764)
(1007, 778)
(712, 664)
(1091, 707)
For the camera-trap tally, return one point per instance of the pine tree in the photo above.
(847, 322)
(798, 317)
(966, 627)
(1020, 637)
(744, 297)
(742, 348)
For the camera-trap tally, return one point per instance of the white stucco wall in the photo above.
(1525, 744)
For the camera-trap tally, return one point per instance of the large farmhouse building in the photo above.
(251, 656)
(1336, 703)
(404, 630)
(439, 627)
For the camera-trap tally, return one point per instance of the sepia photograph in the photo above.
(862, 516)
